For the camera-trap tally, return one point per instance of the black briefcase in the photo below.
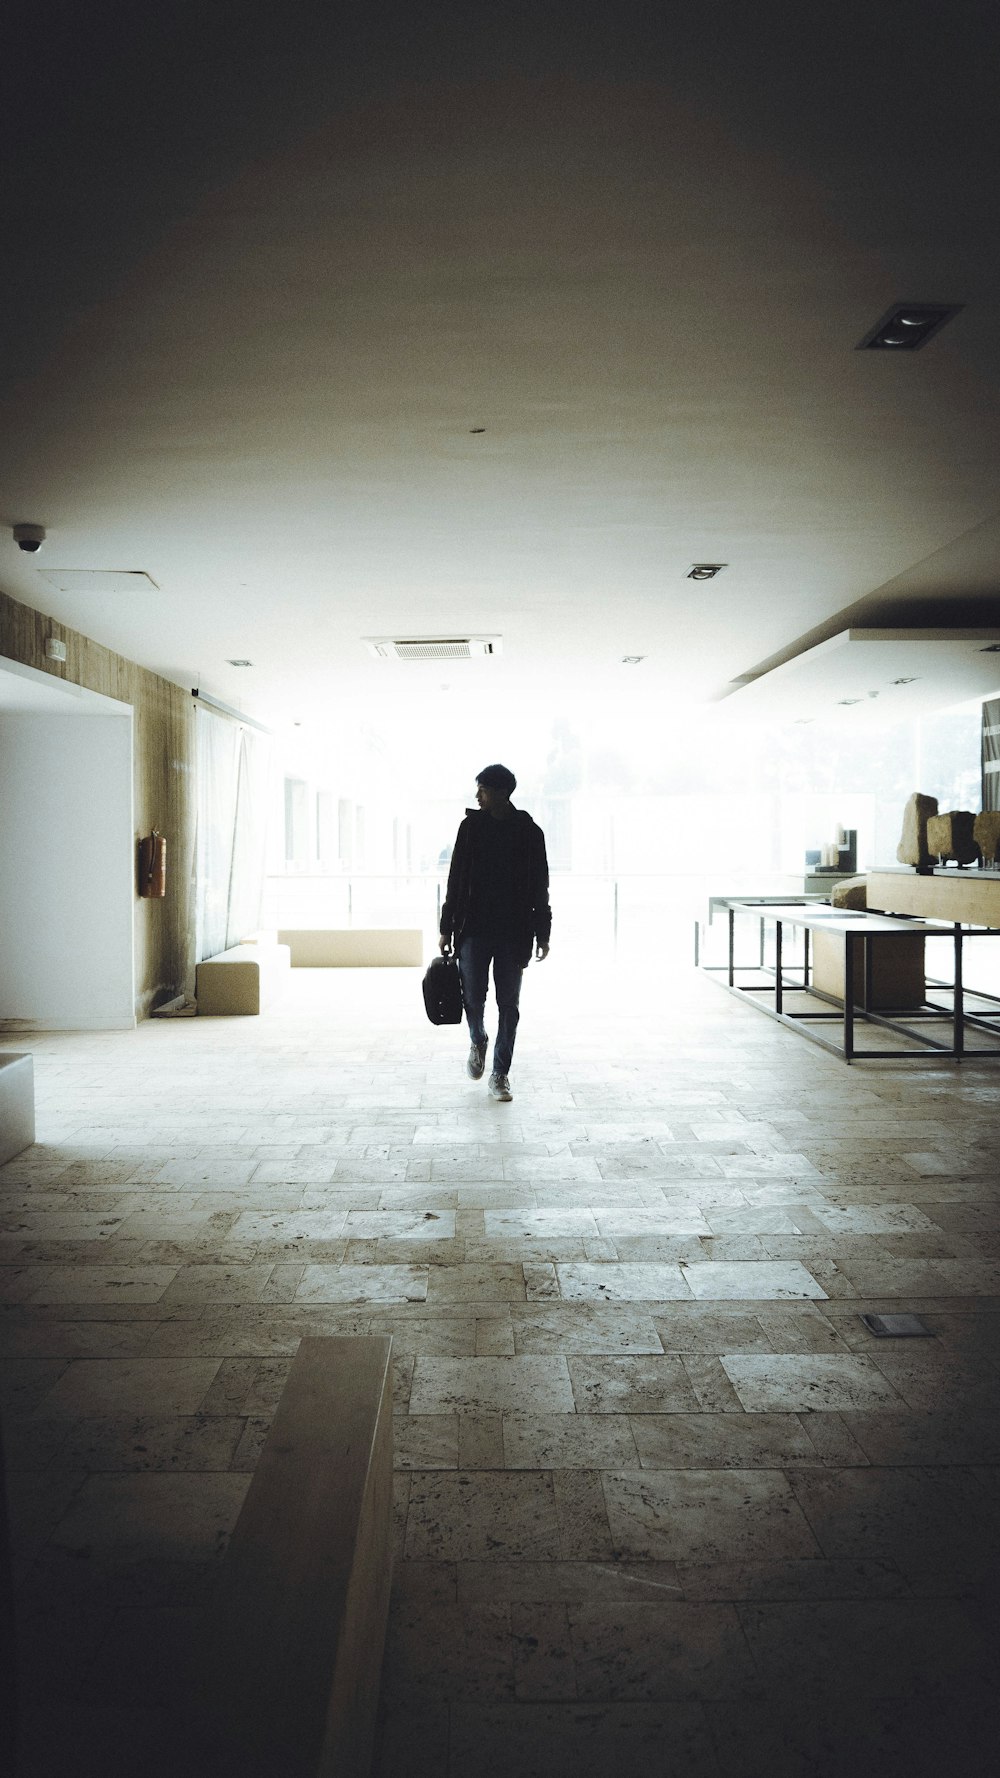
(443, 992)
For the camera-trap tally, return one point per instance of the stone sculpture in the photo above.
(851, 893)
(986, 832)
(951, 836)
(912, 848)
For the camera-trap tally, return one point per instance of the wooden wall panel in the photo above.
(164, 785)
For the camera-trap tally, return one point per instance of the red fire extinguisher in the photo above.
(153, 865)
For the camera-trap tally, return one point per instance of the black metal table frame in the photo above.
(850, 1013)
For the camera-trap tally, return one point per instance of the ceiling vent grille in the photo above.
(99, 580)
(432, 648)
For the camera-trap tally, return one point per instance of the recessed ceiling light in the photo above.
(239, 663)
(908, 326)
(912, 680)
(705, 570)
(632, 660)
(991, 648)
(848, 700)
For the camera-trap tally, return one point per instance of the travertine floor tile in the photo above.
(568, 1441)
(770, 1281)
(522, 1385)
(425, 1441)
(616, 1304)
(794, 1382)
(97, 1386)
(622, 1283)
(554, 1740)
(97, 1284)
(706, 1515)
(480, 1515)
(877, 1648)
(659, 1651)
(582, 1327)
(722, 1441)
(362, 1284)
(645, 1385)
(186, 1517)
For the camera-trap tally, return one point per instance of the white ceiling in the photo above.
(868, 679)
(273, 266)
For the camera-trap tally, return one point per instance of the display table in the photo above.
(862, 940)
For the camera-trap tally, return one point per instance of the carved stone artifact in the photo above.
(986, 832)
(852, 893)
(951, 836)
(912, 848)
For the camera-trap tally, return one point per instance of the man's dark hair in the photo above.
(497, 778)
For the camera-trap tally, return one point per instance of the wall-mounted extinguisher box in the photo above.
(153, 865)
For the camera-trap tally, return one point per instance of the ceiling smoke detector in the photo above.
(432, 648)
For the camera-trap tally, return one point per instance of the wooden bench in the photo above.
(356, 947)
(244, 979)
(17, 1104)
(286, 1664)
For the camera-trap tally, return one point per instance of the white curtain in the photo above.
(246, 880)
(233, 764)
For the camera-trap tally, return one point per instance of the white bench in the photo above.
(285, 1662)
(357, 947)
(17, 1104)
(244, 979)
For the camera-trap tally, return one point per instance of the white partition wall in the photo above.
(66, 865)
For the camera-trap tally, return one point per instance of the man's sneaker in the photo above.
(500, 1087)
(477, 1061)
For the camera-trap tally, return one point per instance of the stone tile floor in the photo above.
(663, 1503)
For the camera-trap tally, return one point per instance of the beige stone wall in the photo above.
(164, 785)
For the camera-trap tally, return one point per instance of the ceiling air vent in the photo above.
(432, 648)
(99, 580)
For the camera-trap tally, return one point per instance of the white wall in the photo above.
(67, 871)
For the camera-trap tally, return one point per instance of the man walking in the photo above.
(496, 908)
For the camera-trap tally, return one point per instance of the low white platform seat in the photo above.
(287, 1658)
(244, 979)
(17, 1104)
(356, 947)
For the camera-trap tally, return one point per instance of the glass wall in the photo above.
(645, 814)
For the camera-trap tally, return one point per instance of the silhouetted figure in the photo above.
(495, 910)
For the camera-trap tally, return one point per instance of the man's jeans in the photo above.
(474, 959)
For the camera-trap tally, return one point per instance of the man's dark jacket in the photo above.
(531, 914)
